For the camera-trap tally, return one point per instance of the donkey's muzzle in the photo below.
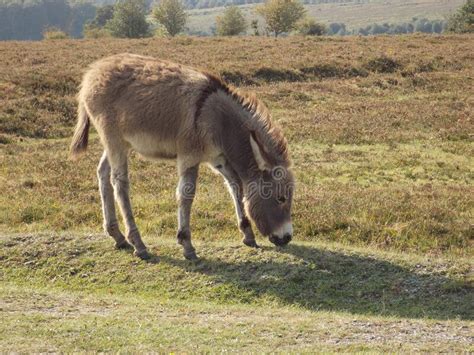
(280, 241)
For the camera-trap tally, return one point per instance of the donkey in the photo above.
(162, 109)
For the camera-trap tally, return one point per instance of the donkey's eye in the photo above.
(281, 199)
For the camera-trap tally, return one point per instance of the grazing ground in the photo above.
(380, 131)
(354, 14)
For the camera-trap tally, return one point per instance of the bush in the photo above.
(309, 27)
(382, 64)
(54, 33)
(95, 32)
(336, 28)
(231, 23)
(160, 32)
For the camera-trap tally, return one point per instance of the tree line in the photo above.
(285, 16)
(205, 4)
(34, 19)
(27, 20)
(128, 19)
(421, 25)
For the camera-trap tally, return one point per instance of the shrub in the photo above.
(95, 32)
(275, 75)
(336, 28)
(382, 64)
(309, 27)
(54, 33)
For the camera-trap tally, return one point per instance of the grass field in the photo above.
(380, 131)
(353, 14)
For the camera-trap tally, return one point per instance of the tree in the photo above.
(171, 14)
(231, 23)
(281, 15)
(102, 15)
(81, 13)
(129, 20)
(254, 25)
(337, 28)
(463, 20)
(309, 27)
(28, 19)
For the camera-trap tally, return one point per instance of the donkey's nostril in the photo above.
(280, 241)
(286, 239)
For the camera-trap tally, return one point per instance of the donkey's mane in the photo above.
(260, 124)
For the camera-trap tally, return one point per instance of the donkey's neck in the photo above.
(233, 137)
(238, 151)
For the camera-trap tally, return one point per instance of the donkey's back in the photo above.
(141, 101)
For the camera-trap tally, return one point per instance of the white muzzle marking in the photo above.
(284, 229)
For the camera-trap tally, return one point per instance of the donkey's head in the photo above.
(269, 195)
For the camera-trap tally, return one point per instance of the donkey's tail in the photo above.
(81, 133)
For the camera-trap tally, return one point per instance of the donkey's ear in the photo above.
(259, 153)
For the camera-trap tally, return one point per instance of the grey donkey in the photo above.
(167, 110)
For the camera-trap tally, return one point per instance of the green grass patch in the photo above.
(57, 288)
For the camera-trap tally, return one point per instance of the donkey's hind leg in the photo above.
(120, 182)
(111, 225)
(185, 196)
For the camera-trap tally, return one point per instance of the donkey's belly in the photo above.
(152, 147)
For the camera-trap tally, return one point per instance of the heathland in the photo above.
(380, 132)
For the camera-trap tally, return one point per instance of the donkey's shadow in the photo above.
(333, 281)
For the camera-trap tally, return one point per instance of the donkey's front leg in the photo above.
(236, 190)
(185, 195)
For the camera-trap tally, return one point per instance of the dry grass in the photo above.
(380, 131)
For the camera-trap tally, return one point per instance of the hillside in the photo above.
(353, 14)
(26, 20)
(379, 130)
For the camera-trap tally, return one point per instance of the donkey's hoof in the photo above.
(122, 245)
(191, 255)
(143, 254)
(250, 243)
